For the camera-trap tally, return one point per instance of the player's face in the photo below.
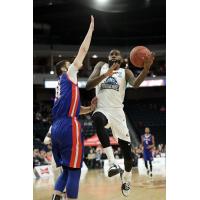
(115, 55)
(147, 130)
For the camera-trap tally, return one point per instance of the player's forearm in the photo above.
(140, 78)
(86, 42)
(85, 110)
(95, 81)
(84, 46)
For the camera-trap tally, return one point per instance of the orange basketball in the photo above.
(138, 54)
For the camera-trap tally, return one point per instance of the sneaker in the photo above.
(151, 174)
(114, 170)
(125, 187)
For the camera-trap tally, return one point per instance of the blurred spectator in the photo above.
(139, 151)
(36, 158)
(118, 153)
(160, 148)
(91, 159)
(49, 157)
(99, 161)
(156, 153)
(42, 156)
(38, 116)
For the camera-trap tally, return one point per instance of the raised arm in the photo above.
(95, 78)
(135, 82)
(84, 46)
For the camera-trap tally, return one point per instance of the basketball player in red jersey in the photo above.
(66, 136)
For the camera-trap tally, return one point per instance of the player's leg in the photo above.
(146, 165)
(146, 158)
(72, 185)
(100, 121)
(128, 164)
(150, 164)
(61, 181)
(60, 184)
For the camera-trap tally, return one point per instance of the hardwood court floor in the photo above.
(95, 186)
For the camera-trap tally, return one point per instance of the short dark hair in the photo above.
(59, 65)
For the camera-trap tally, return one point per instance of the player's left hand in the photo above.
(92, 23)
(149, 61)
(93, 104)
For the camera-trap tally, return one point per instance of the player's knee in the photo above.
(126, 149)
(98, 119)
(128, 164)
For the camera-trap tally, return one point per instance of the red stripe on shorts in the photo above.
(73, 153)
(80, 146)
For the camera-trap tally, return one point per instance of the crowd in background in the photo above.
(42, 154)
(94, 156)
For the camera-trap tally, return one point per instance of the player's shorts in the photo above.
(117, 122)
(67, 143)
(147, 154)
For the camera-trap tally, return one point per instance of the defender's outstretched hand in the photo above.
(92, 23)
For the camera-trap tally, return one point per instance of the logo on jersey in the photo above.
(110, 83)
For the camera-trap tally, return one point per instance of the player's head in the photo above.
(147, 130)
(115, 56)
(62, 66)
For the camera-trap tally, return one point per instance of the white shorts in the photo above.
(117, 122)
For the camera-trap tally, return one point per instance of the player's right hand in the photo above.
(112, 70)
(149, 61)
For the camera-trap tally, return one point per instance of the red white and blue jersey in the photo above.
(147, 140)
(67, 100)
(67, 139)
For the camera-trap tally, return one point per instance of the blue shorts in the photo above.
(67, 142)
(147, 154)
